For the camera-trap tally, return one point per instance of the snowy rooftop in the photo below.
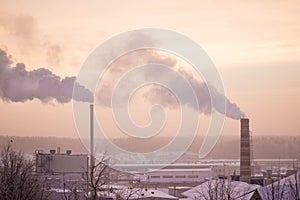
(181, 170)
(217, 189)
(287, 188)
(139, 193)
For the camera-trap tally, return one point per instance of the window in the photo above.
(193, 176)
(155, 176)
(167, 176)
(180, 176)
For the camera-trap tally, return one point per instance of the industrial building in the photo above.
(64, 172)
(179, 175)
(225, 170)
(57, 162)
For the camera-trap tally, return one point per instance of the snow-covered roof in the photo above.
(139, 193)
(287, 188)
(219, 188)
(181, 170)
(62, 190)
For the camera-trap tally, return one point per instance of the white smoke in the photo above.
(208, 97)
(19, 85)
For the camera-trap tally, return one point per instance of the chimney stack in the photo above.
(91, 134)
(245, 164)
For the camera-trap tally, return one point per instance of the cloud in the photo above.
(24, 28)
(54, 53)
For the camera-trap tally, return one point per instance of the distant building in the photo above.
(225, 170)
(55, 163)
(64, 173)
(178, 190)
(179, 175)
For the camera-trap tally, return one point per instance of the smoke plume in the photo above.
(25, 31)
(208, 101)
(19, 85)
(22, 26)
(208, 97)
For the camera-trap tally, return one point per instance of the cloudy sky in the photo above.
(254, 45)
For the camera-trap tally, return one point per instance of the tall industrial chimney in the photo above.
(245, 164)
(91, 134)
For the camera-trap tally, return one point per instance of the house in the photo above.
(223, 189)
(143, 193)
(287, 188)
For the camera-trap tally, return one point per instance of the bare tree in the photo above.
(132, 192)
(287, 188)
(71, 190)
(18, 180)
(275, 190)
(207, 193)
(217, 189)
(293, 184)
(97, 177)
(222, 189)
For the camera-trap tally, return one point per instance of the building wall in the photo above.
(178, 176)
(225, 170)
(61, 163)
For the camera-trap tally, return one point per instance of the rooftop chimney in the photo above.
(245, 164)
(68, 152)
(52, 151)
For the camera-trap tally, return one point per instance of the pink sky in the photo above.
(254, 45)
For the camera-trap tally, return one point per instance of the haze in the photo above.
(255, 46)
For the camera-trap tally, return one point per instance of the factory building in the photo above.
(179, 175)
(63, 172)
(225, 170)
(56, 162)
